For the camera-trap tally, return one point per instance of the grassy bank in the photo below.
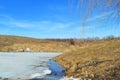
(98, 60)
(16, 43)
(91, 58)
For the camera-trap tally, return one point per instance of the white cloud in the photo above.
(101, 16)
(11, 22)
(19, 24)
(41, 25)
(44, 25)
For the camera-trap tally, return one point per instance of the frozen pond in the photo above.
(29, 66)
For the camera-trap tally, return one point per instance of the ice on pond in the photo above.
(25, 65)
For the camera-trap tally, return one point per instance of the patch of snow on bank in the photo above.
(40, 75)
(71, 78)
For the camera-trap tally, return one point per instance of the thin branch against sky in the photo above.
(101, 6)
(102, 13)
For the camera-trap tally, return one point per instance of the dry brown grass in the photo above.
(99, 60)
(14, 43)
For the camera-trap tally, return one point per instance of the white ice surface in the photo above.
(25, 65)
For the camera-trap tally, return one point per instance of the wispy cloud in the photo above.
(101, 16)
(41, 25)
(11, 22)
(44, 27)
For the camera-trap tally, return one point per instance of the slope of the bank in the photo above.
(97, 60)
(19, 44)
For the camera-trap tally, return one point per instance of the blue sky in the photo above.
(54, 19)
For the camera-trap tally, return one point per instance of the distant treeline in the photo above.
(72, 41)
(83, 39)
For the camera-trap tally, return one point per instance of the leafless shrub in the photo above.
(71, 42)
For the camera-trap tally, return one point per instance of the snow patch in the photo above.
(40, 75)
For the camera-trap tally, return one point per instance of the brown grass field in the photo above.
(14, 43)
(95, 59)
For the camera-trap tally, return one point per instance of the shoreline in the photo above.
(34, 65)
(97, 60)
